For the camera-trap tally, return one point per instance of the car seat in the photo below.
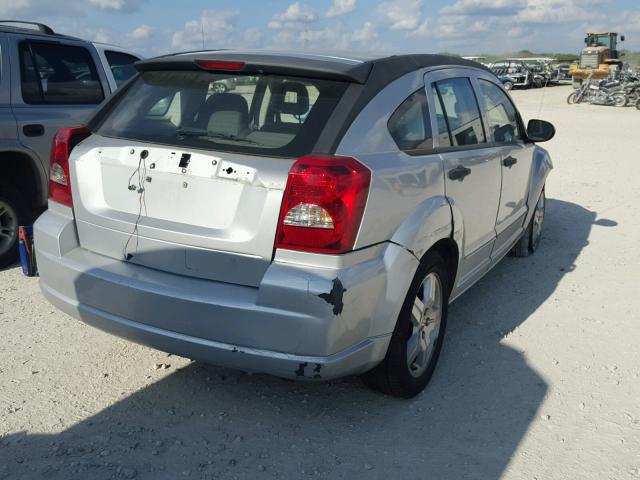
(226, 113)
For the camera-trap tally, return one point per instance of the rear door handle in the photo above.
(459, 173)
(33, 130)
(509, 162)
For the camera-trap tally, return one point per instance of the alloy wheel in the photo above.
(426, 321)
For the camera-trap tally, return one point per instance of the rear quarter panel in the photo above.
(407, 203)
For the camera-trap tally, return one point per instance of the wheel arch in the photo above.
(540, 169)
(428, 223)
(448, 249)
(24, 172)
(435, 225)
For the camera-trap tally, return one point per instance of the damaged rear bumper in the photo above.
(308, 318)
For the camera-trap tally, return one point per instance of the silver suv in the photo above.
(48, 81)
(312, 222)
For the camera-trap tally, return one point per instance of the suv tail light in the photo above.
(59, 179)
(323, 204)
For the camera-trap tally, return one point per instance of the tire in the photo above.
(13, 212)
(638, 104)
(400, 374)
(530, 239)
(508, 86)
(572, 99)
(620, 100)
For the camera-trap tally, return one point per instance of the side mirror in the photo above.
(540, 131)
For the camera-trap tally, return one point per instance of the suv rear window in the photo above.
(121, 65)
(59, 74)
(261, 114)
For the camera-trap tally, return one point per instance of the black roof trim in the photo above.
(37, 33)
(40, 26)
(383, 72)
(319, 66)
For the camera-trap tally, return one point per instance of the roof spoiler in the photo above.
(260, 64)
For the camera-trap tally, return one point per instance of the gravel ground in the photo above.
(539, 376)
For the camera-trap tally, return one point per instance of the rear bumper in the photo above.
(288, 326)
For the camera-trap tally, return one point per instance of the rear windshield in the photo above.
(260, 114)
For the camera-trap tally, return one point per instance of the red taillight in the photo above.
(220, 65)
(323, 204)
(59, 179)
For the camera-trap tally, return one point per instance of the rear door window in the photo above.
(503, 119)
(409, 125)
(58, 74)
(262, 114)
(121, 65)
(461, 112)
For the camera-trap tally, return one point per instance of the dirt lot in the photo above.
(539, 377)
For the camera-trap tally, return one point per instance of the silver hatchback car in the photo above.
(313, 221)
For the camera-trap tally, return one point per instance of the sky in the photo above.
(467, 27)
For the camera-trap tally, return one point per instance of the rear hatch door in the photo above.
(186, 173)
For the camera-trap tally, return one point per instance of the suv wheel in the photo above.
(417, 338)
(530, 240)
(12, 211)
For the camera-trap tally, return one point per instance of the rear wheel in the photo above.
(530, 239)
(620, 100)
(13, 212)
(417, 338)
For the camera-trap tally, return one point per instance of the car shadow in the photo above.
(208, 422)
(10, 267)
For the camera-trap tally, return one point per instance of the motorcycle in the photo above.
(581, 93)
(599, 93)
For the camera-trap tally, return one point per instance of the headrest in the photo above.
(225, 102)
(291, 98)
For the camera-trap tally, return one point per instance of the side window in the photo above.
(409, 125)
(503, 119)
(168, 108)
(461, 112)
(58, 74)
(121, 65)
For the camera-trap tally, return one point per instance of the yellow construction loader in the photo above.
(599, 58)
